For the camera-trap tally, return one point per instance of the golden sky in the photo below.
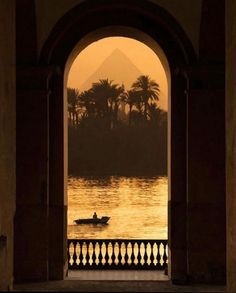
(90, 59)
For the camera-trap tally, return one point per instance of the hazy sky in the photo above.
(88, 61)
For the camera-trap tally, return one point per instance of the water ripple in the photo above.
(137, 206)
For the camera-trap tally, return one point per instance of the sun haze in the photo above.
(119, 59)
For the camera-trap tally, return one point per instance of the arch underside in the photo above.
(157, 29)
(190, 93)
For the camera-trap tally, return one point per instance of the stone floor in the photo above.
(117, 275)
(115, 281)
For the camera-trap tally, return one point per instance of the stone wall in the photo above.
(7, 141)
(197, 207)
(188, 16)
(231, 142)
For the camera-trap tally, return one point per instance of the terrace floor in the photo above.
(115, 281)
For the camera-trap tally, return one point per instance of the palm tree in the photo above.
(101, 91)
(107, 99)
(87, 104)
(155, 114)
(132, 99)
(148, 90)
(115, 101)
(73, 99)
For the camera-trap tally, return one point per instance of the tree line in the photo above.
(117, 131)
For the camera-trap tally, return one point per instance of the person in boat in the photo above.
(95, 215)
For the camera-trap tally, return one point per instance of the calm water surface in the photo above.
(137, 207)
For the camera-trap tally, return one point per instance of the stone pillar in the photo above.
(32, 196)
(206, 233)
(57, 181)
(7, 141)
(231, 142)
(177, 187)
(41, 214)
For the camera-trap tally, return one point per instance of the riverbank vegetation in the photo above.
(113, 131)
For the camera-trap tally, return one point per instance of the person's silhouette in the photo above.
(95, 215)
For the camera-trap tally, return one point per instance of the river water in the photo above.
(137, 207)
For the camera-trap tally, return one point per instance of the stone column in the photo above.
(206, 233)
(41, 210)
(7, 141)
(32, 183)
(57, 180)
(177, 177)
(231, 142)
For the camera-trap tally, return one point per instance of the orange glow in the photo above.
(90, 59)
(137, 207)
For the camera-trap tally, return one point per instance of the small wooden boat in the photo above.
(102, 220)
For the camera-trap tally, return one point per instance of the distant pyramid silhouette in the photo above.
(117, 67)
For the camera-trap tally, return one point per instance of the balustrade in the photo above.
(117, 254)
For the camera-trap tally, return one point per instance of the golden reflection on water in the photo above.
(137, 207)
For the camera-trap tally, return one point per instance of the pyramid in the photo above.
(117, 67)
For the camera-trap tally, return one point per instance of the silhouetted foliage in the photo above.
(147, 89)
(113, 131)
(73, 101)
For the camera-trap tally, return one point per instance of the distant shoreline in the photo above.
(118, 174)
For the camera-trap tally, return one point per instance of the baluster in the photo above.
(93, 253)
(119, 253)
(81, 253)
(151, 254)
(74, 255)
(136, 254)
(109, 253)
(100, 253)
(132, 257)
(139, 254)
(165, 255)
(113, 256)
(145, 256)
(126, 257)
(87, 256)
(158, 255)
(106, 257)
(68, 253)
(156, 252)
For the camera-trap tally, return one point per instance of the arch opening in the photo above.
(175, 59)
(81, 178)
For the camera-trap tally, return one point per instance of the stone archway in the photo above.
(197, 207)
(137, 21)
(41, 201)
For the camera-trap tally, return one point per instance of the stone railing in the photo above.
(117, 254)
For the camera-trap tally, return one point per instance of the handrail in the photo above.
(117, 254)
